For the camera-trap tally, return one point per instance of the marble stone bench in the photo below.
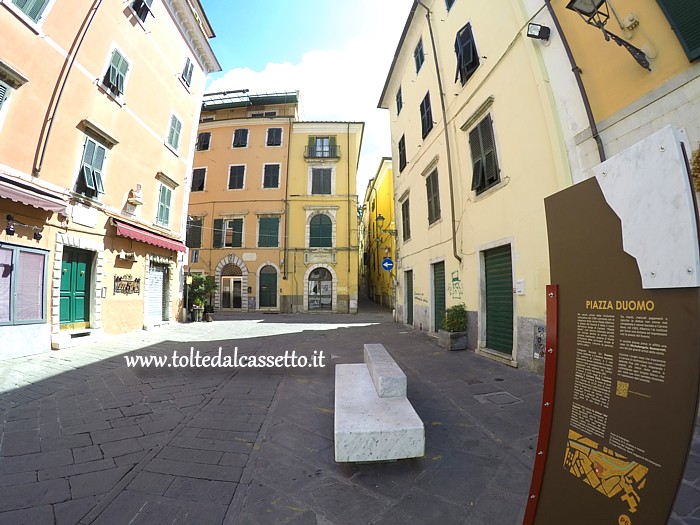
(374, 421)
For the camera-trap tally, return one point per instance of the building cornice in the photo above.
(196, 31)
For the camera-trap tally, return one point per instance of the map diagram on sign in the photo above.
(609, 473)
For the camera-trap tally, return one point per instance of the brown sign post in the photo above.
(621, 382)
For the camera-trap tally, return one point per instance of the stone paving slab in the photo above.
(87, 440)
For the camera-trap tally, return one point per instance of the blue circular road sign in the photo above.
(387, 263)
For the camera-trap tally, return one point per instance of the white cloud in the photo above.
(343, 82)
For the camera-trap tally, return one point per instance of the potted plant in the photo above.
(197, 309)
(453, 334)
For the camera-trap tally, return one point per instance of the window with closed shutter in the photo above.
(164, 197)
(193, 237)
(218, 239)
(4, 91)
(321, 181)
(419, 55)
(320, 232)
(187, 71)
(240, 138)
(268, 232)
(485, 171)
(399, 101)
(274, 137)
(271, 176)
(32, 8)
(433, 193)
(22, 285)
(236, 177)
(684, 16)
(405, 220)
(174, 132)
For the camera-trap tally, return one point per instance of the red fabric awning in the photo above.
(26, 193)
(139, 234)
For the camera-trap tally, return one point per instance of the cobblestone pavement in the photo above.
(87, 440)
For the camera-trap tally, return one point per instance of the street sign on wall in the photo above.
(623, 337)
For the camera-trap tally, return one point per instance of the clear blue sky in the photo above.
(336, 53)
(253, 33)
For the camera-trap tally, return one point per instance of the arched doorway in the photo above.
(231, 288)
(267, 290)
(320, 289)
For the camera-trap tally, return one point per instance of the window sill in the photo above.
(490, 191)
(235, 189)
(273, 145)
(19, 14)
(186, 86)
(172, 150)
(118, 99)
(271, 188)
(435, 223)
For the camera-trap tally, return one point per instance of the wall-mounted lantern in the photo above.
(597, 13)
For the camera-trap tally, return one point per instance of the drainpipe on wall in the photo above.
(286, 202)
(447, 137)
(52, 108)
(579, 81)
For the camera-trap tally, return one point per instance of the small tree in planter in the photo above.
(201, 289)
(453, 334)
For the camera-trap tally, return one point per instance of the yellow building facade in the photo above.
(379, 237)
(237, 217)
(631, 90)
(476, 146)
(98, 112)
(272, 215)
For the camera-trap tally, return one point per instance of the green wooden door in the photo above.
(409, 296)
(75, 289)
(499, 299)
(439, 293)
(268, 287)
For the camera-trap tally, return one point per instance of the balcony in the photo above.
(324, 151)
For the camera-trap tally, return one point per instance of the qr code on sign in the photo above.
(622, 388)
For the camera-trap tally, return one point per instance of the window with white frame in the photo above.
(165, 195)
(90, 181)
(22, 285)
(268, 232)
(187, 72)
(32, 8)
(236, 177)
(233, 233)
(271, 176)
(482, 145)
(321, 181)
(141, 8)
(320, 231)
(199, 179)
(203, 141)
(173, 139)
(274, 137)
(240, 138)
(115, 77)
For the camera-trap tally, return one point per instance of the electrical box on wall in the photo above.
(520, 287)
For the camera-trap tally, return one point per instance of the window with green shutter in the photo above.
(268, 232)
(426, 116)
(218, 233)
(271, 176)
(320, 232)
(187, 71)
(321, 181)
(433, 193)
(405, 220)
(164, 197)
(485, 172)
(115, 78)
(32, 8)
(141, 8)
(467, 56)
(236, 177)
(174, 132)
(684, 16)
(199, 177)
(240, 138)
(4, 91)
(89, 181)
(274, 137)
(233, 233)
(193, 238)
